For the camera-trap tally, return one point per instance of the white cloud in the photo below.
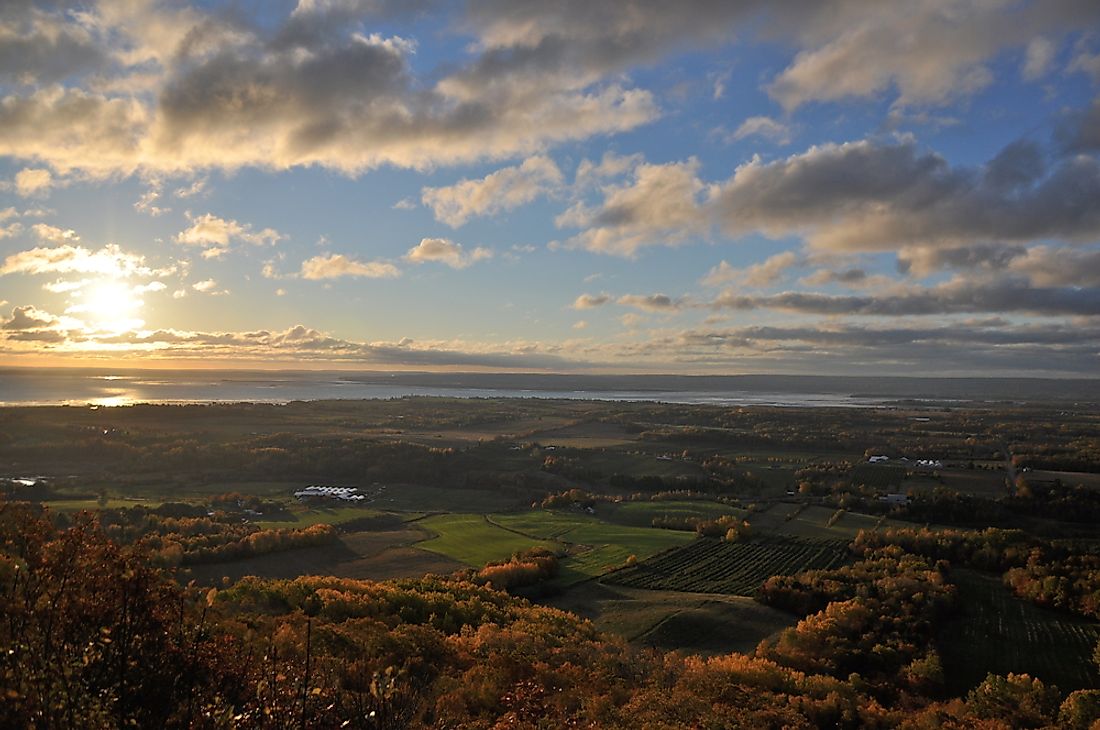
(334, 266)
(660, 207)
(109, 260)
(446, 251)
(763, 127)
(32, 182)
(591, 301)
(216, 234)
(1038, 58)
(500, 191)
(757, 275)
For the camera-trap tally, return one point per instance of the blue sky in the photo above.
(704, 187)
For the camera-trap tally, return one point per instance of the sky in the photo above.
(612, 186)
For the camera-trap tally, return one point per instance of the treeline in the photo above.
(525, 568)
(95, 637)
(185, 534)
(1057, 574)
(728, 527)
(877, 617)
(281, 455)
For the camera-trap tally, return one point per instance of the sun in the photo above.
(110, 305)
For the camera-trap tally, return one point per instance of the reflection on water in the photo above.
(119, 398)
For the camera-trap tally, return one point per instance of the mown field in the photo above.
(474, 540)
(703, 624)
(642, 514)
(591, 547)
(999, 633)
(595, 547)
(738, 568)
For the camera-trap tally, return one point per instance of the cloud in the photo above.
(206, 286)
(39, 46)
(446, 251)
(923, 260)
(147, 203)
(1049, 266)
(28, 318)
(1079, 131)
(959, 296)
(661, 206)
(163, 87)
(931, 52)
(765, 127)
(611, 165)
(1038, 58)
(1086, 62)
(850, 278)
(175, 89)
(53, 234)
(757, 275)
(502, 190)
(33, 182)
(334, 266)
(197, 188)
(650, 302)
(857, 196)
(216, 234)
(109, 260)
(294, 344)
(591, 301)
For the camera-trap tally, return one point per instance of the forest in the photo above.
(534, 563)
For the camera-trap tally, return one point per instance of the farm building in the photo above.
(894, 498)
(344, 494)
(878, 459)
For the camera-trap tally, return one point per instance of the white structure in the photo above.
(345, 494)
(894, 498)
(930, 463)
(878, 459)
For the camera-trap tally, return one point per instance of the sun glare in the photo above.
(110, 305)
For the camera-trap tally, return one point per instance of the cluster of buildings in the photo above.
(344, 494)
(904, 461)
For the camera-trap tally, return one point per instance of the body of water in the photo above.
(101, 388)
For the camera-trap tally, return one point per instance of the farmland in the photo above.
(999, 633)
(451, 485)
(473, 540)
(594, 546)
(714, 566)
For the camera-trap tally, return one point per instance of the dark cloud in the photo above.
(28, 318)
(1079, 130)
(961, 297)
(39, 45)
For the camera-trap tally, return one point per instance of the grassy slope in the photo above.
(473, 540)
(596, 546)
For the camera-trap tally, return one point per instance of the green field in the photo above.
(473, 540)
(642, 514)
(715, 566)
(999, 633)
(595, 547)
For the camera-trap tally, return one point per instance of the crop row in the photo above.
(738, 568)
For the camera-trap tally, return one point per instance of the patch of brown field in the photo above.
(374, 555)
(397, 562)
(588, 434)
(694, 623)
